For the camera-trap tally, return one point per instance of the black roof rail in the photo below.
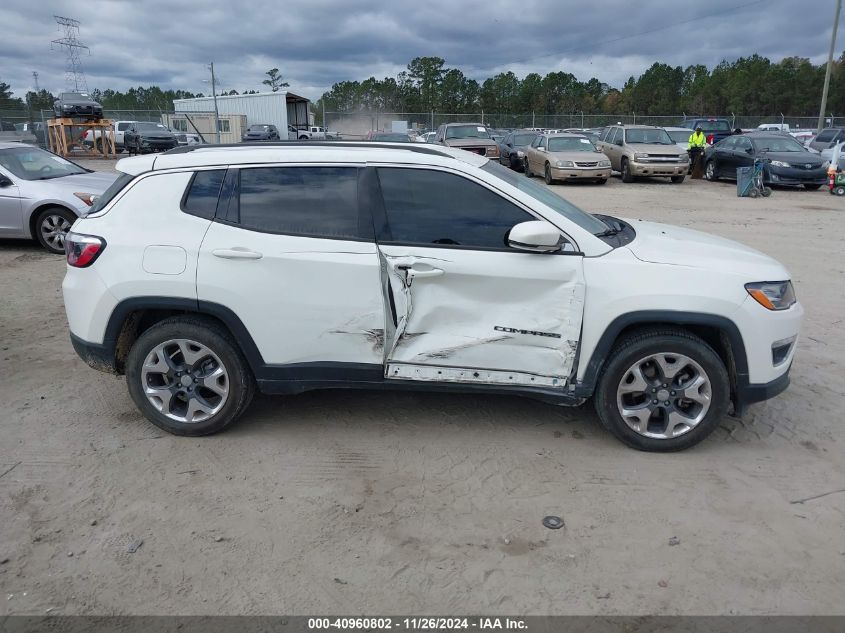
(419, 148)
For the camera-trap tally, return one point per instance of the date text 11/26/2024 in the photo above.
(417, 624)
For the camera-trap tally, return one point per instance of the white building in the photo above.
(280, 108)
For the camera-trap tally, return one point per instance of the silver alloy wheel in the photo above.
(710, 171)
(664, 395)
(54, 229)
(185, 380)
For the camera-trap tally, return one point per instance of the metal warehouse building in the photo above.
(280, 108)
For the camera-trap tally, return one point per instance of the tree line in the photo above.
(749, 85)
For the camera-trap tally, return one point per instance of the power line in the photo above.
(647, 32)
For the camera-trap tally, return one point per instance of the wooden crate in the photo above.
(64, 137)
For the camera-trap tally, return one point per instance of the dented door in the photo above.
(481, 317)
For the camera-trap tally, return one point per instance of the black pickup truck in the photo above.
(714, 129)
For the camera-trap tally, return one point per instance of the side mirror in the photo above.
(619, 142)
(5, 181)
(536, 236)
(749, 150)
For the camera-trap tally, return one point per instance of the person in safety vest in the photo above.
(696, 145)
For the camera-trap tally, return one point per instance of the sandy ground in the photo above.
(361, 502)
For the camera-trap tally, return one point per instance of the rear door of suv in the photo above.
(462, 306)
(293, 257)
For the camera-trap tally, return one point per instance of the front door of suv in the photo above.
(462, 306)
(293, 259)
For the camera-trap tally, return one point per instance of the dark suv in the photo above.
(77, 104)
(147, 136)
(714, 129)
(261, 132)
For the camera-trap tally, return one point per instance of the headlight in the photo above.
(87, 198)
(520, 153)
(640, 155)
(779, 163)
(604, 163)
(565, 163)
(772, 295)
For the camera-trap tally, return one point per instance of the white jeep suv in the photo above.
(210, 271)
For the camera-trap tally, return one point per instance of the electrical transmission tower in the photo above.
(74, 77)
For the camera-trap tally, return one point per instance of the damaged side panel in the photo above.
(481, 316)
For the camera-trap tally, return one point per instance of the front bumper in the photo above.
(161, 146)
(748, 393)
(659, 169)
(792, 176)
(574, 173)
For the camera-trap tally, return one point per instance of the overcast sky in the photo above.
(318, 42)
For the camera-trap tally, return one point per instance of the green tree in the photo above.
(7, 101)
(275, 80)
(425, 74)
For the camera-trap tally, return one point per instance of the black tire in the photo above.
(303, 138)
(710, 171)
(655, 341)
(627, 176)
(838, 190)
(601, 181)
(51, 240)
(526, 167)
(678, 179)
(812, 187)
(241, 383)
(547, 175)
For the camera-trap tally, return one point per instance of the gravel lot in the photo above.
(367, 502)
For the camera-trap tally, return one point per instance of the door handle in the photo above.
(431, 272)
(236, 253)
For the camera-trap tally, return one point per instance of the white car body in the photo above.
(118, 130)
(504, 318)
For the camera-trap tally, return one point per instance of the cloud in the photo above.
(316, 43)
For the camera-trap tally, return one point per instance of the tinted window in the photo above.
(201, 198)
(432, 207)
(742, 144)
(727, 144)
(318, 201)
(826, 135)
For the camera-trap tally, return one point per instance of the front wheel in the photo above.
(710, 171)
(188, 377)
(526, 167)
(627, 176)
(52, 226)
(548, 175)
(678, 179)
(601, 181)
(303, 138)
(838, 191)
(662, 390)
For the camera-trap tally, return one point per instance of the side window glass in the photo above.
(729, 144)
(611, 135)
(201, 195)
(432, 207)
(312, 201)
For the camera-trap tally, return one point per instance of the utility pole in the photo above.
(35, 78)
(829, 65)
(216, 113)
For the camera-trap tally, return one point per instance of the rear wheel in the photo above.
(188, 377)
(627, 176)
(52, 226)
(662, 390)
(839, 191)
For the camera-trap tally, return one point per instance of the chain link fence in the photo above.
(353, 125)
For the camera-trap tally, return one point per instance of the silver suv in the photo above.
(643, 150)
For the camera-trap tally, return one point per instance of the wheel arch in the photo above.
(131, 317)
(33, 214)
(718, 331)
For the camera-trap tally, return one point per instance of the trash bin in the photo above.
(744, 181)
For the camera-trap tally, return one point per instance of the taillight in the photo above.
(83, 250)
(710, 138)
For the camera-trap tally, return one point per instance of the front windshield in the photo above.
(570, 144)
(259, 128)
(648, 136)
(143, 125)
(467, 131)
(75, 95)
(779, 144)
(546, 196)
(31, 163)
(523, 139)
(680, 136)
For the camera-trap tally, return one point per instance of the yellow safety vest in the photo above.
(697, 139)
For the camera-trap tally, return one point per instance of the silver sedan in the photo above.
(42, 194)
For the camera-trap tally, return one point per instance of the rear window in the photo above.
(108, 195)
(201, 196)
(715, 126)
(825, 136)
(309, 201)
